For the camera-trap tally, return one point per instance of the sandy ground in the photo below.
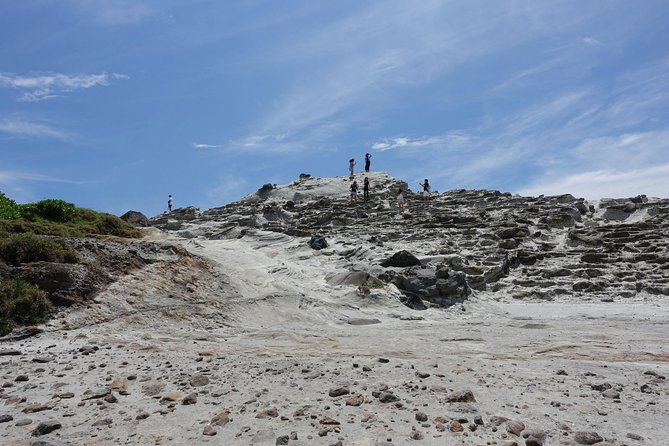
(278, 356)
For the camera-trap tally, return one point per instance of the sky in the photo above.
(114, 104)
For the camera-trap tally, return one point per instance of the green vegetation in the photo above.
(371, 283)
(25, 248)
(21, 303)
(59, 218)
(34, 232)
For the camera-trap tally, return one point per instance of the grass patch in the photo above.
(26, 248)
(21, 303)
(60, 218)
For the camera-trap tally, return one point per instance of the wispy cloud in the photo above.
(117, 12)
(19, 128)
(198, 145)
(450, 140)
(357, 63)
(52, 85)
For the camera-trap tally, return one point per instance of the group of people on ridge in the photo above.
(365, 187)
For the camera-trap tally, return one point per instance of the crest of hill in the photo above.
(313, 188)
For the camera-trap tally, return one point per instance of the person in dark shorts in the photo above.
(354, 191)
(365, 189)
(169, 203)
(368, 161)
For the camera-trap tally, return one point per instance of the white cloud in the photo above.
(26, 129)
(591, 41)
(652, 181)
(48, 86)
(448, 141)
(206, 146)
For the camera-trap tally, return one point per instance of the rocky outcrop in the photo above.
(463, 241)
(136, 218)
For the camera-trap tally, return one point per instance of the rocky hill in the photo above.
(297, 317)
(462, 240)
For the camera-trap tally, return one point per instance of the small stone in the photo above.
(152, 388)
(47, 442)
(142, 415)
(37, 407)
(111, 399)
(515, 427)
(355, 400)
(220, 419)
(21, 378)
(209, 431)
(421, 416)
(417, 435)
(634, 436)
(456, 426)
(496, 420)
(199, 380)
(388, 397)
(384, 360)
(46, 427)
(42, 359)
(610, 393)
(6, 418)
(339, 391)
(189, 399)
(464, 396)
(282, 440)
(272, 412)
(23, 422)
(422, 375)
(329, 421)
(103, 422)
(587, 438)
(97, 393)
(561, 372)
(478, 419)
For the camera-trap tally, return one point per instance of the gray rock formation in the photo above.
(465, 241)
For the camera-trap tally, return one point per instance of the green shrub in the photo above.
(25, 248)
(112, 225)
(53, 210)
(8, 207)
(21, 303)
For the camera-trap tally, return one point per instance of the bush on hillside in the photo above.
(25, 248)
(53, 210)
(21, 303)
(8, 207)
(59, 218)
(112, 225)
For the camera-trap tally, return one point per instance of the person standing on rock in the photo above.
(354, 191)
(427, 190)
(351, 167)
(368, 161)
(400, 199)
(169, 203)
(365, 189)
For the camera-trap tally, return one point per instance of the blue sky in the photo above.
(114, 104)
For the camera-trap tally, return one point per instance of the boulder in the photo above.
(401, 259)
(135, 218)
(318, 242)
